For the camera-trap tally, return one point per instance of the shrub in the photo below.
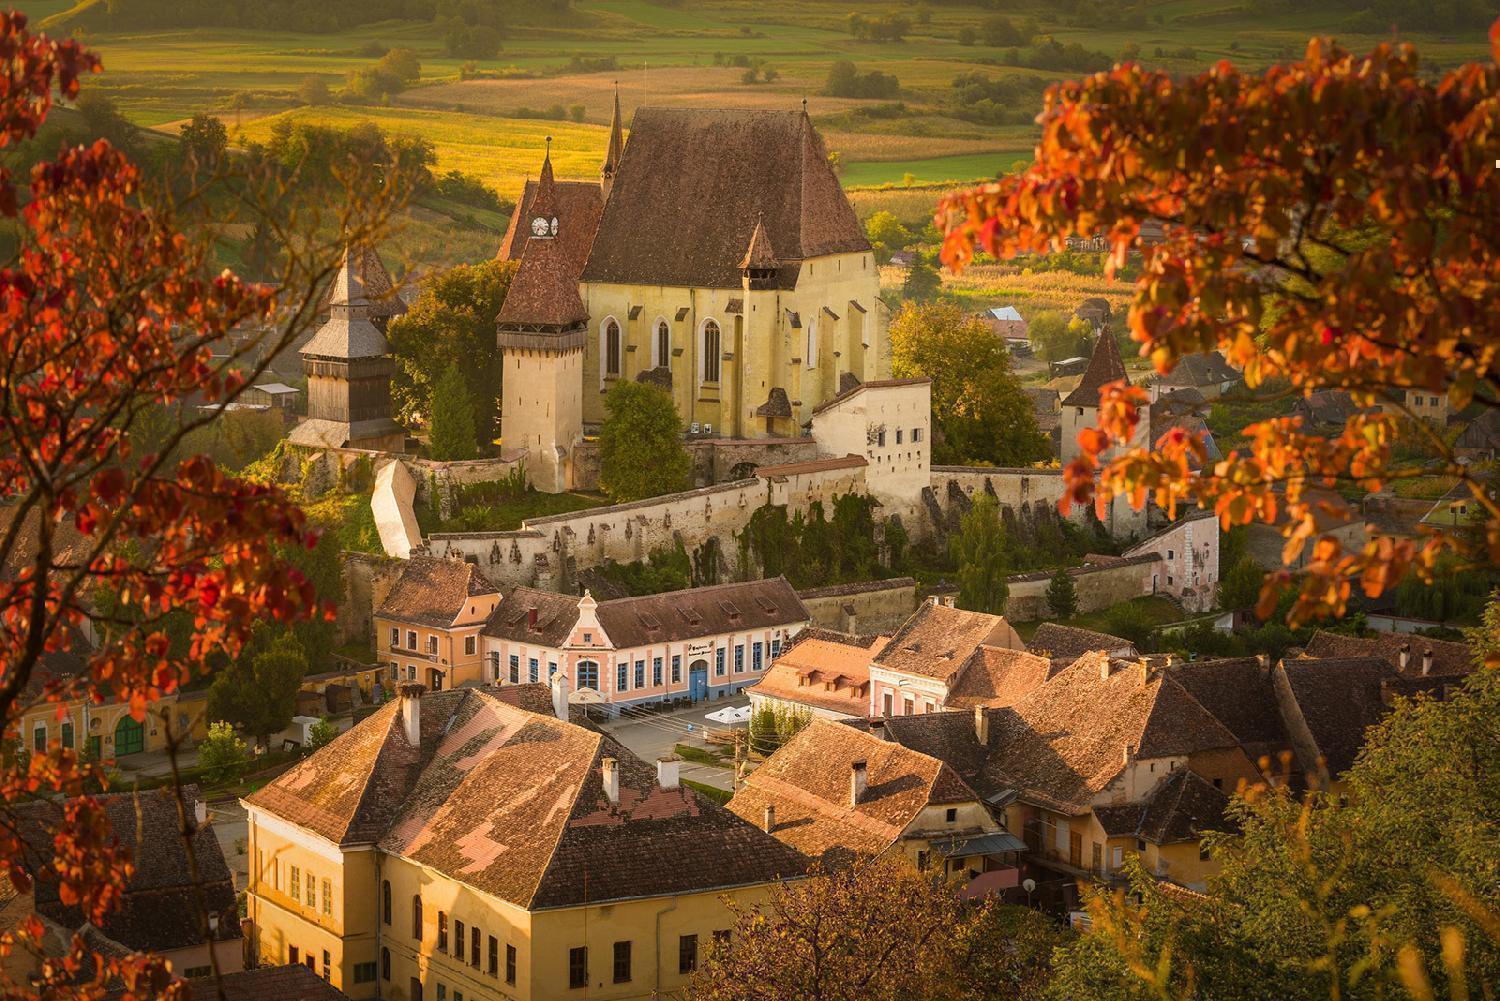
(222, 755)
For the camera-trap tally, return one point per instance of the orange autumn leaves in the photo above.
(1330, 224)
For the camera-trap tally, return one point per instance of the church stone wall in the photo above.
(715, 460)
(869, 608)
(1098, 587)
(955, 487)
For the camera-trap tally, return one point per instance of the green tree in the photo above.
(979, 552)
(313, 90)
(204, 139)
(452, 427)
(258, 691)
(222, 755)
(1054, 337)
(886, 234)
(922, 283)
(1062, 594)
(321, 733)
(1129, 621)
(1240, 586)
(979, 413)
(640, 445)
(452, 322)
(402, 64)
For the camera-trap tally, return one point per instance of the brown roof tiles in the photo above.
(1068, 643)
(701, 611)
(937, 640)
(1105, 366)
(1181, 808)
(1448, 658)
(292, 982)
(433, 592)
(994, 676)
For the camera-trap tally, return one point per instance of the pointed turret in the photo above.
(348, 332)
(1105, 366)
(348, 291)
(616, 148)
(544, 221)
(759, 264)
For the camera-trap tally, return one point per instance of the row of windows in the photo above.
(467, 945)
(587, 671)
(295, 884)
(611, 347)
(294, 955)
(916, 436)
(621, 971)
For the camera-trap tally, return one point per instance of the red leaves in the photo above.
(1495, 40)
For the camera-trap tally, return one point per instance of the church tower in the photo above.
(759, 270)
(348, 367)
(541, 331)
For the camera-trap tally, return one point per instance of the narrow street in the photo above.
(653, 735)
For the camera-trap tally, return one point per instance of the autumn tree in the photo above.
(979, 551)
(875, 930)
(204, 139)
(980, 416)
(640, 445)
(1301, 244)
(452, 322)
(109, 311)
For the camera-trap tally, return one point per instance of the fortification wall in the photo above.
(715, 460)
(1098, 586)
(1020, 491)
(867, 607)
(367, 581)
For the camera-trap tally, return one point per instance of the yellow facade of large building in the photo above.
(434, 852)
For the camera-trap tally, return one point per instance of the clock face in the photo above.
(554, 225)
(539, 227)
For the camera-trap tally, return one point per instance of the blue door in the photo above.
(698, 680)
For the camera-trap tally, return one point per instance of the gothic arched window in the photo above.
(611, 347)
(710, 351)
(663, 344)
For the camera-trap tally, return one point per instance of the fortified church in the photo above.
(716, 256)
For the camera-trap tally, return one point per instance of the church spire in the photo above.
(544, 205)
(759, 264)
(348, 293)
(616, 148)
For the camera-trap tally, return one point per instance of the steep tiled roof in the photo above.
(1239, 693)
(579, 204)
(1105, 366)
(374, 284)
(348, 333)
(512, 803)
(1068, 643)
(936, 640)
(1181, 808)
(1068, 739)
(293, 982)
(433, 591)
(1448, 658)
(701, 611)
(691, 185)
(759, 256)
(808, 783)
(995, 676)
(159, 908)
(1482, 433)
(1339, 700)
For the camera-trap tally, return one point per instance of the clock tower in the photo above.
(544, 207)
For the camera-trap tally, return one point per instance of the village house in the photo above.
(1479, 441)
(471, 842)
(1207, 374)
(822, 674)
(888, 423)
(428, 627)
(836, 791)
(1100, 734)
(160, 904)
(1066, 644)
(915, 671)
(290, 982)
(703, 643)
(749, 325)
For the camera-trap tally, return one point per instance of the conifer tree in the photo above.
(979, 550)
(1062, 595)
(453, 436)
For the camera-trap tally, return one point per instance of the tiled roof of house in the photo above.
(825, 673)
(1181, 808)
(936, 640)
(1338, 699)
(692, 184)
(859, 587)
(808, 784)
(1448, 658)
(292, 982)
(159, 909)
(555, 616)
(995, 676)
(432, 591)
(701, 611)
(850, 461)
(1068, 739)
(1200, 370)
(374, 285)
(513, 804)
(1068, 643)
(1045, 407)
(1239, 693)
(1482, 433)
(1105, 366)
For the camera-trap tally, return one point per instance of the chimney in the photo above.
(560, 695)
(611, 770)
(1426, 662)
(1104, 668)
(411, 712)
(200, 813)
(981, 727)
(877, 728)
(1129, 754)
(1264, 660)
(666, 771)
(769, 826)
(1405, 655)
(531, 618)
(859, 780)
